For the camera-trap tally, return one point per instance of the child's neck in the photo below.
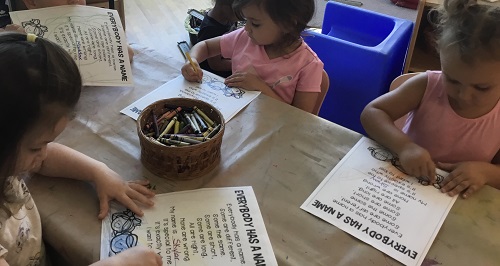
(275, 51)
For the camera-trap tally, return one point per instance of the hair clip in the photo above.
(30, 37)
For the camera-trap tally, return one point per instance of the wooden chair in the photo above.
(394, 85)
(325, 84)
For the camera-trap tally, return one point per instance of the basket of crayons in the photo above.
(180, 138)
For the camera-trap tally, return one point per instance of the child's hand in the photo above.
(109, 185)
(417, 161)
(136, 256)
(13, 27)
(466, 176)
(245, 81)
(189, 72)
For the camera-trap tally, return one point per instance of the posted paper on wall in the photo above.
(367, 196)
(211, 226)
(229, 101)
(93, 36)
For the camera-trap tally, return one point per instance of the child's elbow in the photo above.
(365, 114)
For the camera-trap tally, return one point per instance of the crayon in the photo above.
(182, 135)
(174, 142)
(203, 126)
(196, 130)
(169, 126)
(176, 127)
(187, 140)
(163, 116)
(197, 138)
(169, 106)
(155, 124)
(216, 129)
(195, 123)
(204, 116)
(191, 62)
(185, 129)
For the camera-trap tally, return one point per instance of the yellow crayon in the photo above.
(204, 116)
(169, 126)
(177, 127)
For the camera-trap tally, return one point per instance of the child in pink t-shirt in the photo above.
(454, 114)
(268, 55)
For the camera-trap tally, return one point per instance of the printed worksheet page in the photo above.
(368, 196)
(211, 226)
(93, 36)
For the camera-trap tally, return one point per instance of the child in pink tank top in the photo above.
(454, 114)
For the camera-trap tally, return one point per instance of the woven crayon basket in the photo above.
(180, 162)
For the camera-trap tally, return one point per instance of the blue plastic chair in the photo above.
(363, 51)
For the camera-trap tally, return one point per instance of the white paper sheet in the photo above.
(93, 36)
(229, 101)
(368, 197)
(211, 226)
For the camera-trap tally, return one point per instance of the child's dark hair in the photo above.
(33, 75)
(293, 15)
(474, 28)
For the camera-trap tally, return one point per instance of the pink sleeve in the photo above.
(310, 77)
(229, 41)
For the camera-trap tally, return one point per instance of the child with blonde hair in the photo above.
(268, 54)
(40, 85)
(454, 114)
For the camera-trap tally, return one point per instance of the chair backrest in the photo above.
(325, 84)
(394, 85)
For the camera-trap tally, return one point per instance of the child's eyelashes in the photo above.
(481, 88)
(34, 150)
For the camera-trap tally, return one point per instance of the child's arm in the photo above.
(250, 82)
(305, 100)
(219, 63)
(378, 120)
(65, 162)
(132, 256)
(469, 177)
(199, 53)
(3, 262)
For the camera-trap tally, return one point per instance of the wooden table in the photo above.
(279, 150)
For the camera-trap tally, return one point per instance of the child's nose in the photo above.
(465, 94)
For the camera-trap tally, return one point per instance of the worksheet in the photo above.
(210, 226)
(229, 101)
(369, 196)
(93, 36)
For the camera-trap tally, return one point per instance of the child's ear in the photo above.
(30, 4)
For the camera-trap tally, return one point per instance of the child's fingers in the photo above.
(140, 187)
(189, 73)
(103, 207)
(130, 204)
(469, 191)
(139, 194)
(431, 172)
